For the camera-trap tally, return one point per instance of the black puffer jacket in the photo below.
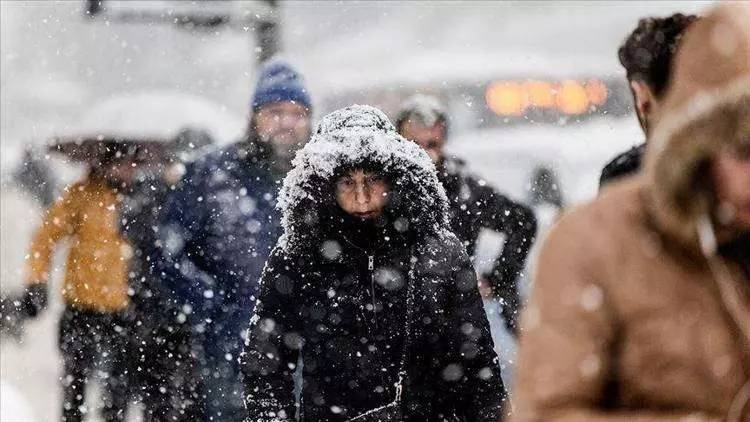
(625, 164)
(334, 292)
(475, 205)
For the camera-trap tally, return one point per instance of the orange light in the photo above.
(540, 94)
(596, 92)
(506, 98)
(572, 98)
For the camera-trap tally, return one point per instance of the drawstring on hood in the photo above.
(731, 299)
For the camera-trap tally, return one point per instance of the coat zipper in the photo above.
(371, 267)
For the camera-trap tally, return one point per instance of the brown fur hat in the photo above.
(706, 108)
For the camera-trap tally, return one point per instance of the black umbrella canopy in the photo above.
(95, 150)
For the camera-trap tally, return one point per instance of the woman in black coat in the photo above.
(368, 290)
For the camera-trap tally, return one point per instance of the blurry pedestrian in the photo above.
(474, 205)
(35, 177)
(163, 373)
(545, 189)
(646, 56)
(641, 302)
(369, 290)
(219, 227)
(95, 289)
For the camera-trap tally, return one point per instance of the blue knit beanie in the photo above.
(277, 82)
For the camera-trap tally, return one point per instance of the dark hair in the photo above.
(647, 53)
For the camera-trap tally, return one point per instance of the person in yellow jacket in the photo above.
(95, 287)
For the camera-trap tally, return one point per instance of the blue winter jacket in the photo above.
(217, 232)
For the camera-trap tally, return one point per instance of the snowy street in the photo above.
(189, 219)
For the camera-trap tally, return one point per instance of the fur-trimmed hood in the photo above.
(706, 108)
(347, 138)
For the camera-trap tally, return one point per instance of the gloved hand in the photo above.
(34, 299)
(11, 321)
(14, 311)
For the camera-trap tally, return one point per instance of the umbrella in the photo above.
(94, 149)
(143, 125)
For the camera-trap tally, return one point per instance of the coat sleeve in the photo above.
(623, 165)
(273, 344)
(565, 362)
(59, 222)
(480, 388)
(179, 259)
(518, 223)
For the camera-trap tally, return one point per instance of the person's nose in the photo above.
(426, 145)
(289, 121)
(361, 194)
(286, 122)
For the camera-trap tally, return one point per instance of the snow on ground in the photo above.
(16, 406)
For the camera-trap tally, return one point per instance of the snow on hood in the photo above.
(349, 137)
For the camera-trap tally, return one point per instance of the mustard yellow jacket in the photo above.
(97, 265)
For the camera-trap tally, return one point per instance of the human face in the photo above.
(430, 138)
(362, 194)
(730, 171)
(285, 126)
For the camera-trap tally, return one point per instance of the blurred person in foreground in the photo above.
(641, 304)
(369, 289)
(93, 327)
(647, 56)
(220, 226)
(474, 205)
(162, 370)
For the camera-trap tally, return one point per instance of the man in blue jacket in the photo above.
(219, 227)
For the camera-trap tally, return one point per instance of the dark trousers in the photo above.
(92, 341)
(164, 374)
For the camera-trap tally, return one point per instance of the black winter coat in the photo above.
(346, 318)
(333, 295)
(475, 205)
(625, 164)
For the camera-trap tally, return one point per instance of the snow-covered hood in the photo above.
(349, 137)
